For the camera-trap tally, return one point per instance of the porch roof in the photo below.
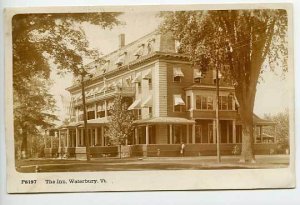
(94, 122)
(262, 122)
(165, 120)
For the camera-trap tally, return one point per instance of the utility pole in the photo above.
(217, 114)
(87, 139)
(217, 95)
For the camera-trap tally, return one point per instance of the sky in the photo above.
(272, 92)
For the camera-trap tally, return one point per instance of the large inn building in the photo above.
(174, 103)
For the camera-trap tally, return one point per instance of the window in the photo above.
(188, 102)
(139, 87)
(178, 103)
(91, 115)
(225, 103)
(150, 111)
(177, 79)
(197, 80)
(177, 74)
(139, 111)
(177, 108)
(210, 103)
(204, 102)
(150, 84)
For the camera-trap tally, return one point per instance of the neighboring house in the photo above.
(174, 103)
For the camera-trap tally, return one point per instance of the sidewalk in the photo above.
(151, 163)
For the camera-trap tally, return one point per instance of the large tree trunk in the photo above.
(24, 149)
(247, 154)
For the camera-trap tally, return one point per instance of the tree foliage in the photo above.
(239, 42)
(281, 132)
(41, 42)
(120, 127)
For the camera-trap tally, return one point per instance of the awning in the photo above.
(147, 102)
(137, 78)
(177, 72)
(197, 73)
(148, 75)
(236, 101)
(135, 105)
(165, 120)
(178, 100)
(215, 74)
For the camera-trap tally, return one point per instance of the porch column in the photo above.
(136, 135)
(51, 141)
(233, 132)
(95, 110)
(255, 134)
(147, 134)
(96, 135)
(77, 137)
(68, 137)
(227, 129)
(59, 142)
(187, 134)
(193, 134)
(171, 134)
(105, 111)
(214, 132)
(260, 134)
(82, 137)
(102, 136)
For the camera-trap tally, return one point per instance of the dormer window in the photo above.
(150, 45)
(177, 74)
(121, 59)
(139, 51)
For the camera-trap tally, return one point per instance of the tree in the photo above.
(44, 41)
(282, 129)
(120, 126)
(240, 43)
(33, 108)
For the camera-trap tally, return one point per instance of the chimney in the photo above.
(121, 40)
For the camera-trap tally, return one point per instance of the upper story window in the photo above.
(204, 102)
(148, 76)
(215, 76)
(100, 110)
(177, 74)
(178, 103)
(150, 112)
(197, 75)
(188, 102)
(226, 102)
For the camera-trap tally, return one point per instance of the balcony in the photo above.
(108, 93)
(211, 114)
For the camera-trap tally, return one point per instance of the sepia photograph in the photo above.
(129, 91)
